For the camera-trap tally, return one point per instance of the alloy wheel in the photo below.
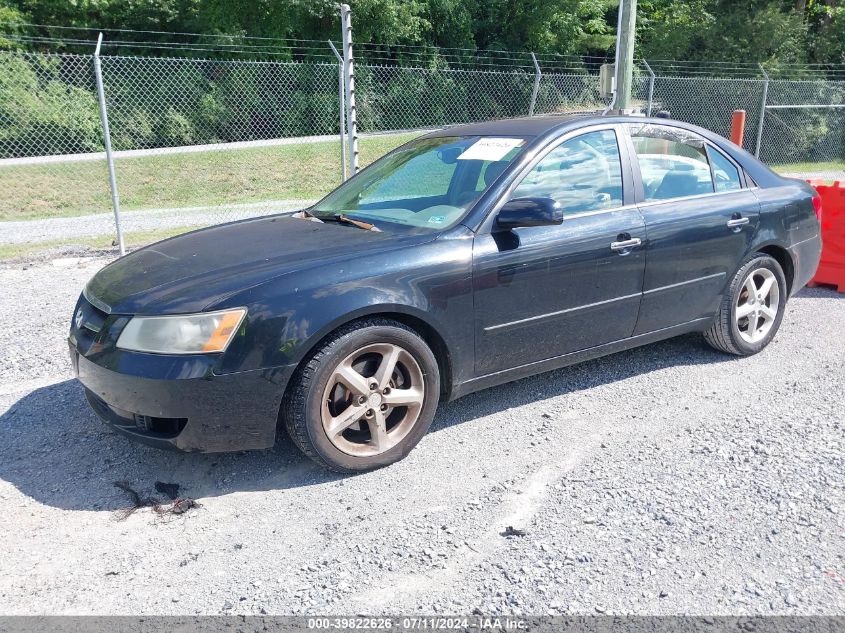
(757, 305)
(373, 399)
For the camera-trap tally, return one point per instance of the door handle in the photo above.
(625, 245)
(735, 223)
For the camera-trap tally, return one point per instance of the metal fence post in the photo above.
(537, 75)
(342, 110)
(349, 76)
(104, 119)
(763, 101)
(650, 87)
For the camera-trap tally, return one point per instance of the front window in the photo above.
(429, 183)
(582, 174)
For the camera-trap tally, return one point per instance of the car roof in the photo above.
(540, 125)
(545, 126)
(523, 126)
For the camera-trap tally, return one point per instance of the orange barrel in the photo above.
(737, 127)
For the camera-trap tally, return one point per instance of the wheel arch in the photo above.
(412, 318)
(781, 254)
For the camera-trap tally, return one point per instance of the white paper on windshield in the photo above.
(490, 148)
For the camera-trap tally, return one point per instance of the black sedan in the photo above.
(466, 258)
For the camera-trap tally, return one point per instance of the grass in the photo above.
(131, 240)
(302, 171)
(307, 170)
(798, 168)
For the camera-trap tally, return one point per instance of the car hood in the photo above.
(191, 272)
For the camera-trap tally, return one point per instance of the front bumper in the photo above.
(209, 413)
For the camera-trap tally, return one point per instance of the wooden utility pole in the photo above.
(625, 39)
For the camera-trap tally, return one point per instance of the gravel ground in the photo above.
(666, 480)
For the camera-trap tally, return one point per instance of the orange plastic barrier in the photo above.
(831, 270)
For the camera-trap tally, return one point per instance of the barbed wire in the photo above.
(119, 30)
(45, 40)
(402, 55)
(738, 70)
(320, 50)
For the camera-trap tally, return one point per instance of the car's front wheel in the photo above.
(364, 398)
(752, 309)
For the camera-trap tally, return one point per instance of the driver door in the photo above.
(546, 291)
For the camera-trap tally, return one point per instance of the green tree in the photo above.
(772, 31)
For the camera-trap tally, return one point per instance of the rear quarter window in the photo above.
(725, 174)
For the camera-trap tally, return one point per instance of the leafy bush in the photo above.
(42, 112)
(176, 128)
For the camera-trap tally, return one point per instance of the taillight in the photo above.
(817, 205)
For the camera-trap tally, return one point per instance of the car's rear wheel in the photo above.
(364, 398)
(752, 309)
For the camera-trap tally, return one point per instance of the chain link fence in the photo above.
(803, 130)
(794, 125)
(410, 98)
(201, 142)
(198, 141)
(52, 164)
(707, 101)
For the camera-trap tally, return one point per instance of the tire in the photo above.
(325, 395)
(732, 331)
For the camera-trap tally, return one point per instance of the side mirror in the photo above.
(529, 212)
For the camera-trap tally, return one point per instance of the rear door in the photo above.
(545, 291)
(700, 218)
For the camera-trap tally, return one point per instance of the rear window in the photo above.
(672, 169)
(676, 163)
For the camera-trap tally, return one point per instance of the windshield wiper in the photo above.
(305, 214)
(339, 217)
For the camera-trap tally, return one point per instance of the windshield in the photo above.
(428, 183)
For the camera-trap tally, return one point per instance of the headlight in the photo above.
(182, 334)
